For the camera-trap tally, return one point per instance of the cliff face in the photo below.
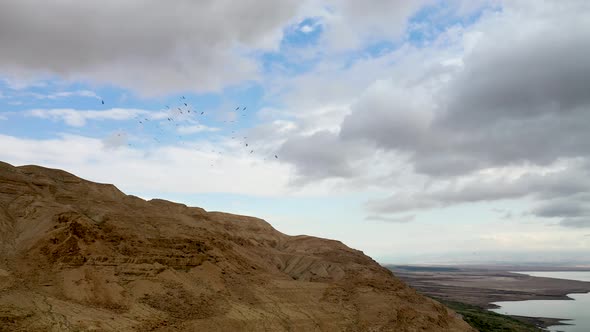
(77, 255)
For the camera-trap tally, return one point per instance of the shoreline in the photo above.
(481, 288)
(543, 322)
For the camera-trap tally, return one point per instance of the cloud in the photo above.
(580, 222)
(197, 128)
(564, 207)
(66, 94)
(389, 116)
(528, 93)
(350, 24)
(180, 46)
(561, 194)
(397, 220)
(307, 28)
(322, 155)
(482, 113)
(149, 46)
(115, 140)
(78, 118)
(179, 169)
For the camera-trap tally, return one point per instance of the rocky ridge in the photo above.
(82, 256)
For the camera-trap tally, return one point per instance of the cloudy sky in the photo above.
(417, 131)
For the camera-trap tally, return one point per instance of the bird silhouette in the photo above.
(102, 102)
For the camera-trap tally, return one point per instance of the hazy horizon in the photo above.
(422, 132)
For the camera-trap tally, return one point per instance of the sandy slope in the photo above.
(83, 256)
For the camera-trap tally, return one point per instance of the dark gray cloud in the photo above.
(322, 155)
(580, 222)
(519, 97)
(572, 211)
(566, 184)
(153, 46)
(561, 208)
(561, 195)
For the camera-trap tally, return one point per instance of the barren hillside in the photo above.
(82, 256)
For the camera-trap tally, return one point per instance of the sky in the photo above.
(421, 132)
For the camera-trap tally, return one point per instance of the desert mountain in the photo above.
(82, 256)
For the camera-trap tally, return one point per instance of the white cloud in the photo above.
(351, 23)
(115, 140)
(78, 118)
(307, 28)
(66, 94)
(179, 169)
(196, 128)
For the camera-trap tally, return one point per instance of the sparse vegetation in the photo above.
(486, 321)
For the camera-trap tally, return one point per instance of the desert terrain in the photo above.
(82, 256)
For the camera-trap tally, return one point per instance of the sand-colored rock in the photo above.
(82, 256)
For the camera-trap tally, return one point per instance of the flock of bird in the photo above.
(184, 115)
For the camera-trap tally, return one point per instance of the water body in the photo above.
(569, 275)
(578, 310)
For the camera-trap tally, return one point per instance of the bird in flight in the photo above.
(102, 102)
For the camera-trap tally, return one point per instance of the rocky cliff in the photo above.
(82, 256)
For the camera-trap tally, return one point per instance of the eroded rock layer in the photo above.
(82, 256)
